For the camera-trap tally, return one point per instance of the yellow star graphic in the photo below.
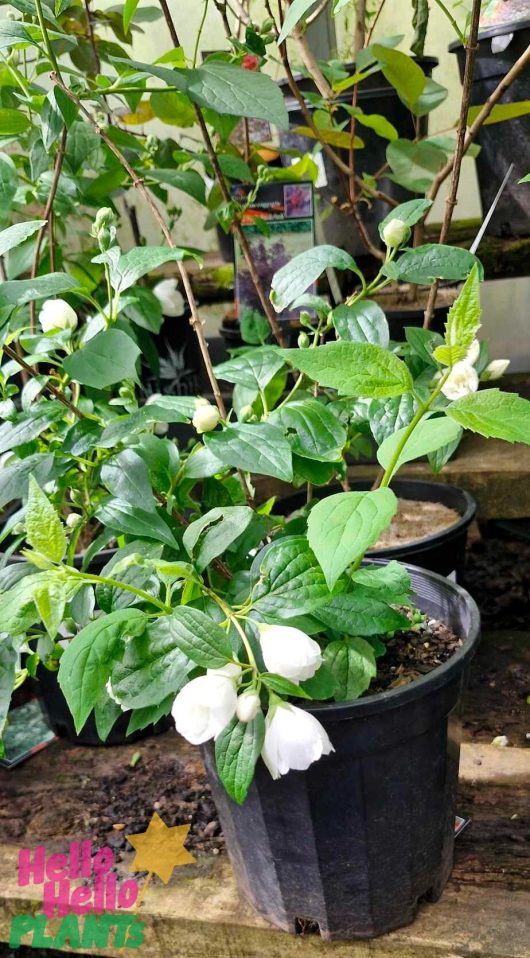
(160, 848)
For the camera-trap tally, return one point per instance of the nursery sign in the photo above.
(81, 889)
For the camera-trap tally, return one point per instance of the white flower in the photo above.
(293, 739)
(473, 353)
(229, 671)
(205, 418)
(395, 233)
(248, 705)
(463, 379)
(57, 314)
(73, 519)
(204, 707)
(496, 369)
(169, 297)
(289, 652)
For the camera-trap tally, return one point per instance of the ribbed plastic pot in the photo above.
(57, 715)
(502, 143)
(443, 552)
(375, 95)
(356, 841)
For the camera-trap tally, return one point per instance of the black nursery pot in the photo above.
(506, 142)
(57, 715)
(443, 552)
(375, 95)
(357, 840)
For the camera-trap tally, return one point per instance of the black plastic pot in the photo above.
(375, 95)
(506, 142)
(442, 552)
(57, 715)
(357, 840)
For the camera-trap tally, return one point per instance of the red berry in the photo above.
(250, 62)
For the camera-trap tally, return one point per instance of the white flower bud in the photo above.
(473, 353)
(248, 705)
(57, 314)
(110, 692)
(169, 297)
(496, 369)
(462, 379)
(293, 739)
(204, 707)
(395, 233)
(161, 428)
(500, 741)
(73, 519)
(289, 652)
(206, 418)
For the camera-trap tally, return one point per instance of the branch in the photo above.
(48, 216)
(195, 320)
(450, 203)
(48, 386)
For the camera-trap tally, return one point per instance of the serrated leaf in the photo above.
(360, 612)
(386, 416)
(230, 89)
(29, 425)
(463, 318)
(283, 686)
(424, 264)
(14, 235)
(408, 213)
(152, 668)
(199, 638)
(133, 520)
(254, 369)
(423, 342)
(22, 291)
(352, 664)
(126, 476)
(353, 369)
(259, 448)
(342, 527)
(87, 661)
(312, 429)
(293, 279)
(237, 750)
(495, 414)
(429, 435)
(363, 322)
(291, 582)
(209, 536)
(106, 359)
(392, 578)
(44, 529)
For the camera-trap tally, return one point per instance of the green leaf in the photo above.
(414, 165)
(259, 448)
(363, 322)
(423, 342)
(441, 456)
(87, 661)
(293, 279)
(15, 235)
(420, 22)
(153, 666)
(29, 425)
(106, 714)
(312, 430)
(408, 213)
(50, 599)
(433, 261)
(386, 416)
(135, 521)
(360, 612)
(44, 529)
(501, 112)
(429, 435)
(141, 718)
(81, 437)
(214, 532)
(342, 527)
(237, 750)
(14, 477)
(392, 578)
(131, 266)
(296, 11)
(106, 359)
(22, 291)
(282, 686)
(374, 121)
(432, 96)
(352, 664)
(353, 369)
(8, 668)
(322, 685)
(188, 181)
(227, 88)
(407, 78)
(290, 582)
(129, 9)
(495, 414)
(126, 476)
(82, 146)
(199, 638)
(253, 369)
(463, 318)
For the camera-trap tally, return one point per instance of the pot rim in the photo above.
(494, 30)
(425, 684)
(418, 545)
